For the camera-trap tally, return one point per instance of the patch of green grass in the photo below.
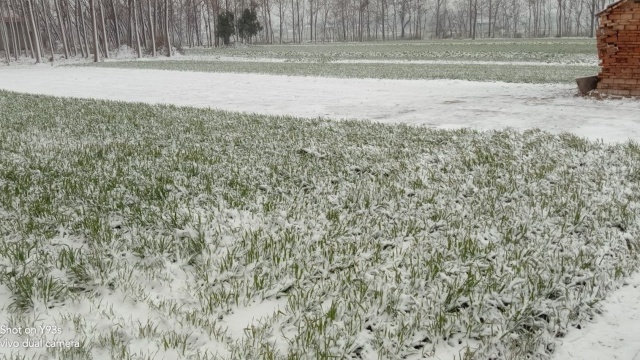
(475, 72)
(543, 50)
(157, 227)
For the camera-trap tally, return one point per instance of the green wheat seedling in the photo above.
(212, 235)
(539, 50)
(514, 61)
(512, 73)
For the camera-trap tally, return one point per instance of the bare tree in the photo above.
(136, 27)
(82, 36)
(92, 9)
(152, 30)
(4, 35)
(62, 30)
(36, 35)
(105, 40)
(14, 35)
(115, 23)
(75, 35)
(26, 40)
(592, 16)
(166, 26)
(46, 23)
(281, 9)
(34, 27)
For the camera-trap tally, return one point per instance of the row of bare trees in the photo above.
(87, 28)
(362, 20)
(95, 28)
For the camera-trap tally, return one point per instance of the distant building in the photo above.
(18, 29)
(619, 48)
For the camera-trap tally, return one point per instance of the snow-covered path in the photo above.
(437, 103)
(614, 335)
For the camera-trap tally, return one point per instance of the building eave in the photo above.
(612, 6)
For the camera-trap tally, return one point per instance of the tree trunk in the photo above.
(174, 31)
(26, 38)
(559, 21)
(216, 11)
(73, 35)
(198, 24)
(105, 40)
(475, 18)
(490, 13)
(324, 24)
(94, 24)
(36, 34)
(271, 26)
(470, 18)
(208, 27)
(310, 20)
(62, 32)
(130, 23)
(293, 22)
(166, 27)
(384, 19)
(155, 17)
(46, 24)
(140, 22)
(344, 21)
(136, 29)
(115, 23)
(394, 29)
(84, 42)
(4, 36)
(300, 21)
(280, 18)
(14, 36)
(368, 22)
(20, 30)
(593, 17)
(153, 33)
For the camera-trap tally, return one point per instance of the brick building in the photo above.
(619, 48)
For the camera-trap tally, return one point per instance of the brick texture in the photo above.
(619, 49)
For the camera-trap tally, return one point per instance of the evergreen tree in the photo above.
(248, 24)
(225, 25)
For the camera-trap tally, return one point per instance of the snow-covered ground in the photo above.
(614, 334)
(435, 103)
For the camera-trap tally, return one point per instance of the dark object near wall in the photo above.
(587, 84)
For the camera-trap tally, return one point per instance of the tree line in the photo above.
(94, 28)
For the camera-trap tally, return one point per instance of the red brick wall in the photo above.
(619, 50)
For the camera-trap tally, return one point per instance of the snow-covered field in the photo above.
(565, 51)
(540, 61)
(517, 72)
(167, 232)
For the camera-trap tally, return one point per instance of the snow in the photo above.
(443, 104)
(614, 335)
(252, 316)
(124, 52)
(435, 103)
